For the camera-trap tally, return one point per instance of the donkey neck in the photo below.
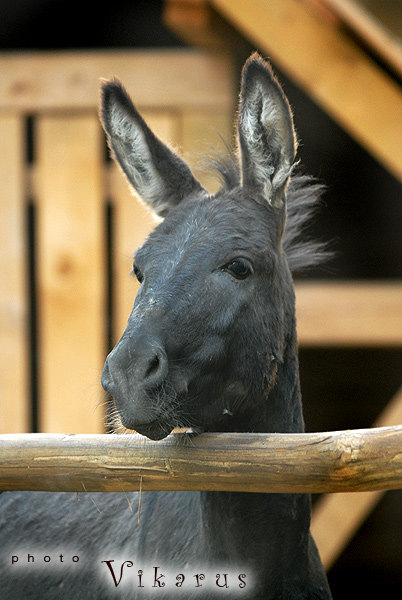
(262, 534)
(278, 407)
(271, 530)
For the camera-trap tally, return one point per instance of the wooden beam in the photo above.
(349, 313)
(370, 30)
(183, 79)
(326, 63)
(366, 459)
(336, 519)
(198, 24)
(192, 22)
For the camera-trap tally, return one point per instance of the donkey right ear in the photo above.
(160, 177)
(267, 138)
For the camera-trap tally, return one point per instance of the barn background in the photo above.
(69, 226)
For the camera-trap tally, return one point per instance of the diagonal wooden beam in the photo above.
(370, 29)
(326, 63)
(337, 518)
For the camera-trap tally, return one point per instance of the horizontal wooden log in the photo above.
(349, 314)
(356, 460)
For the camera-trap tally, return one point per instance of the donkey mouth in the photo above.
(156, 430)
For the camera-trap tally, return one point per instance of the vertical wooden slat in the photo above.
(14, 410)
(71, 273)
(133, 221)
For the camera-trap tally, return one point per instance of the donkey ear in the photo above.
(266, 133)
(160, 177)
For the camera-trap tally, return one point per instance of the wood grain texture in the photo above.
(367, 459)
(71, 268)
(204, 133)
(371, 29)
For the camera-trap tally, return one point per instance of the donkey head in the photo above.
(215, 305)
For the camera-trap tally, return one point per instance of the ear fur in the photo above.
(267, 140)
(160, 177)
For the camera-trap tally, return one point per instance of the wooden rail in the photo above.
(43, 81)
(365, 459)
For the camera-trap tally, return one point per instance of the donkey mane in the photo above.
(304, 199)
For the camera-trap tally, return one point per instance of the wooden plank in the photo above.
(133, 221)
(336, 519)
(71, 281)
(328, 66)
(349, 314)
(288, 463)
(14, 409)
(65, 80)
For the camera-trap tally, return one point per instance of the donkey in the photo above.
(211, 345)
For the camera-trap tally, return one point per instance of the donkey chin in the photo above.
(156, 428)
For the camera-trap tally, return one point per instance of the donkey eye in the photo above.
(240, 268)
(136, 271)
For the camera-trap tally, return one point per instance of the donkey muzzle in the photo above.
(133, 374)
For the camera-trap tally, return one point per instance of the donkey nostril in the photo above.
(153, 366)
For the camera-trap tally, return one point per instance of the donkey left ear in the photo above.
(160, 177)
(266, 133)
